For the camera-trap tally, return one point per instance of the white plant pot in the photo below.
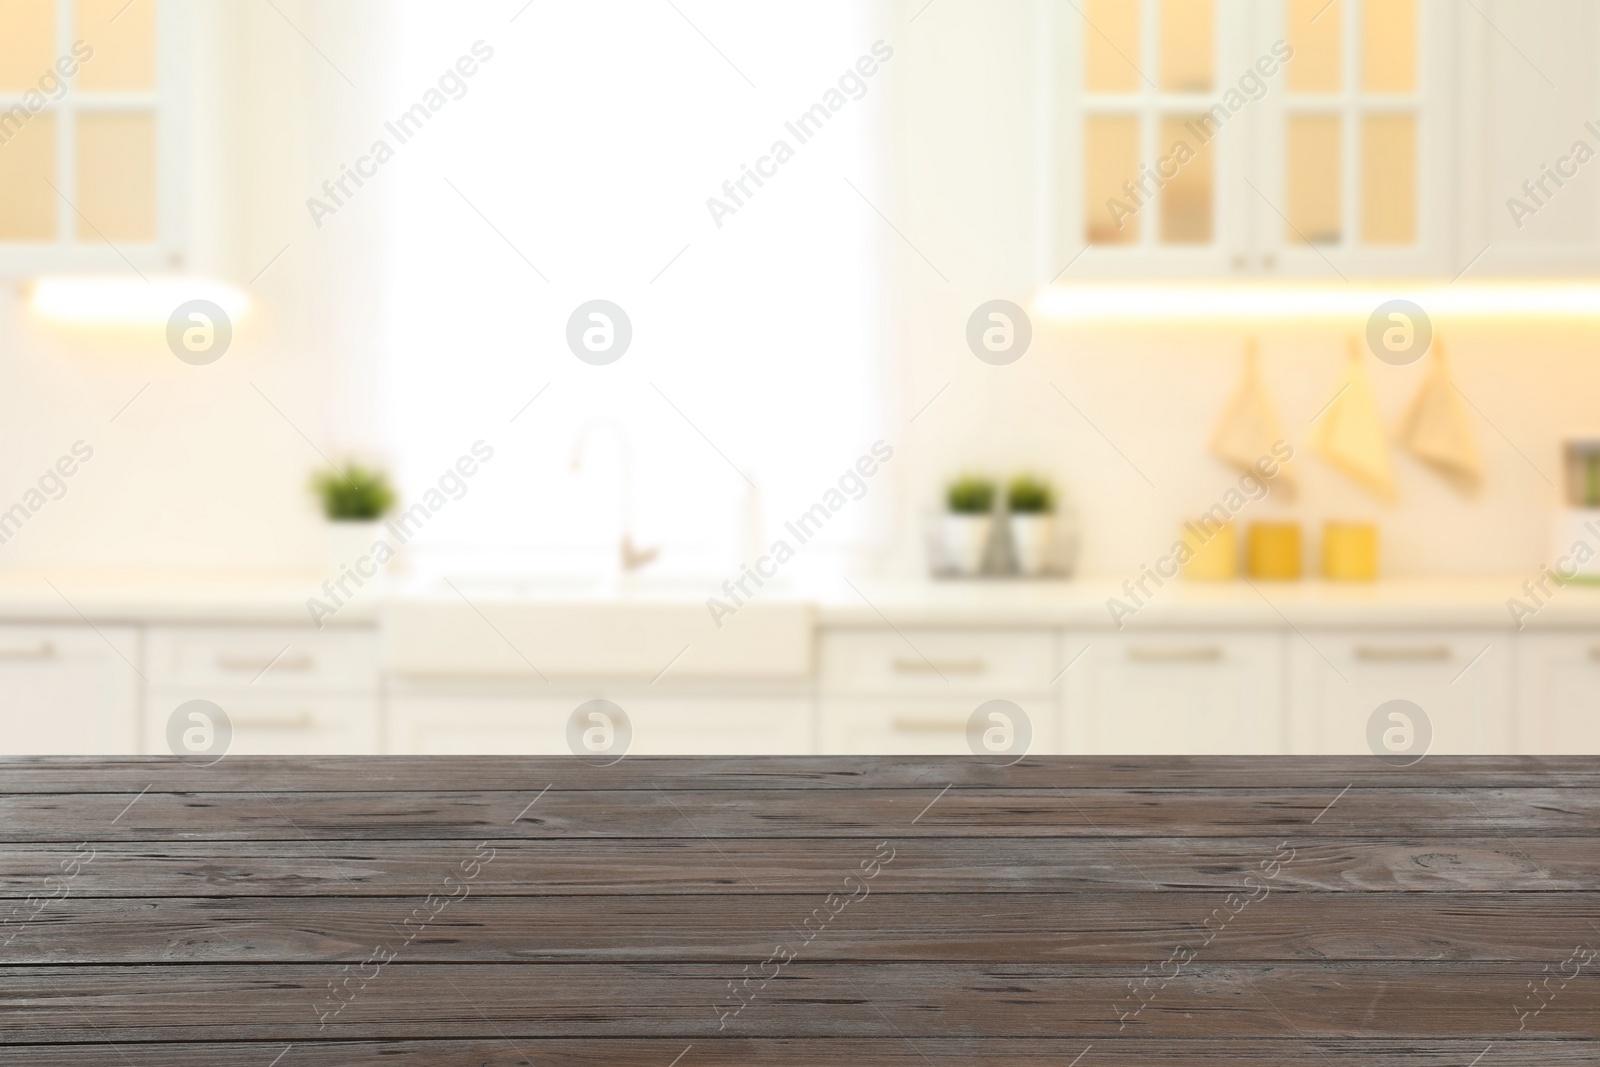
(1033, 542)
(966, 542)
(1575, 530)
(350, 549)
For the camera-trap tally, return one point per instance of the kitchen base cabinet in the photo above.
(1460, 679)
(275, 724)
(287, 690)
(928, 726)
(463, 723)
(1558, 694)
(913, 691)
(69, 690)
(1174, 692)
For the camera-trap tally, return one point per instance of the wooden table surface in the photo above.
(489, 912)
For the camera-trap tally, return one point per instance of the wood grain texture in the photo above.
(471, 815)
(407, 774)
(491, 912)
(932, 928)
(819, 1052)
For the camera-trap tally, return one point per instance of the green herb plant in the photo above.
(355, 494)
(1028, 495)
(971, 494)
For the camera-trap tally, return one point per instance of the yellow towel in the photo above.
(1437, 431)
(1249, 427)
(1349, 432)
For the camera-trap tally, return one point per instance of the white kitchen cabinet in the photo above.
(69, 690)
(1558, 693)
(1175, 692)
(1461, 679)
(285, 689)
(1314, 163)
(473, 719)
(925, 725)
(275, 723)
(280, 658)
(912, 691)
(1517, 128)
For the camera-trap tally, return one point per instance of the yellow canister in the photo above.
(1272, 551)
(1213, 551)
(1350, 552)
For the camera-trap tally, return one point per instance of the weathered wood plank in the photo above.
(738, 866)
(408, 774)
(264, 1002)
(871, 814)
(825, 1052)
(1068, 928)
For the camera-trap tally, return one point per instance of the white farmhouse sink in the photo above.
(582, 629)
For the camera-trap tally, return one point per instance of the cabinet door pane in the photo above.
(1315, 34)
(1111, 46)
(1389, 46)
(123, 36)
(1389, 179)
(1186, 199)
(1186, 45)
(27, 170)
(27, 45)
(1314, 187)
(117, 176)
(1111, 157)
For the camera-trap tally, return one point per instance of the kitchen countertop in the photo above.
(910, 912)
(280, 599)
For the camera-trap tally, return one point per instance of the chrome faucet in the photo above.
(629, 556)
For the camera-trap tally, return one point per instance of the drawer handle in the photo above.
(909, 725)
(42, 651)
(1197, 654)
(255, 666)
(302, 721)
(939, 666)
(1403, 653)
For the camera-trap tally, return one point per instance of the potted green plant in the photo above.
(354, 501)
(1031, 514)
(968, 523)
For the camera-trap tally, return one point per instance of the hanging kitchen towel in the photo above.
(1437, 431)
(1249, 432)
(1349, 433)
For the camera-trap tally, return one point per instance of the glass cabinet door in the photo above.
(1146, 171)
(1223, 138)
(1351, 151)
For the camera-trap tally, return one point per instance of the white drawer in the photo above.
(939, 661)
(263, 658)
(922, 726)
(1461, 679)
(275, 723)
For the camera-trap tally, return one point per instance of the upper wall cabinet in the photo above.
(1529, 131)
(90, 155)
(1277, 138)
